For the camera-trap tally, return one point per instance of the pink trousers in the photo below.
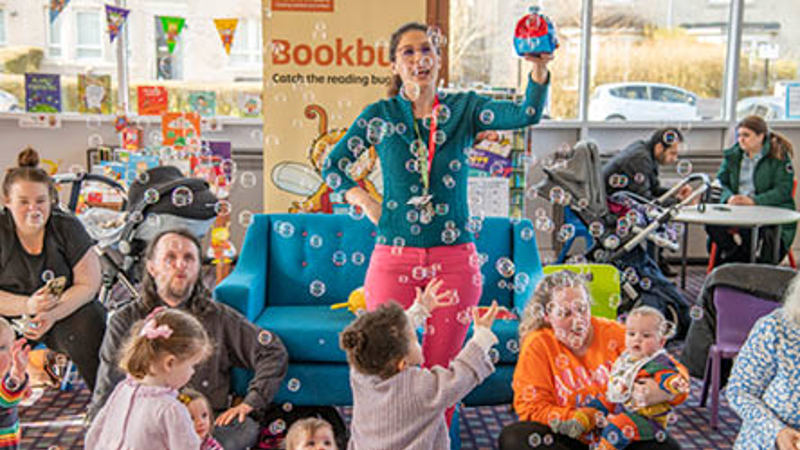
(395, 272)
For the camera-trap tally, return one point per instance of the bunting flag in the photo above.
(56, 6)
(226, 29)
(116, 18)
(172, 29)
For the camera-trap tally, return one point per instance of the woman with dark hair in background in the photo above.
(757, 170)
(421, 136)
(40, 243)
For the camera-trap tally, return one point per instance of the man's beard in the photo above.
(179, 293)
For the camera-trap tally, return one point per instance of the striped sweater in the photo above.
(10, 395)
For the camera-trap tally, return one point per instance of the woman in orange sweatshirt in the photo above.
(564, 363)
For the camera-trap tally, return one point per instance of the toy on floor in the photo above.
(357, 301)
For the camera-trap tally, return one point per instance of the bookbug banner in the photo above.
(324, 62)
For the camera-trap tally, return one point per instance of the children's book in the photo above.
(153, 100)
(94, 94)
(42, 93)
(203, 103)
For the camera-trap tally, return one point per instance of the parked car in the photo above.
(8, 103)
(765, 106)
(642, 101)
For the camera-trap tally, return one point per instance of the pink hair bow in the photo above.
(151, 331)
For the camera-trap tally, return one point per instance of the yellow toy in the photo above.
(355, 302)
(221, 249)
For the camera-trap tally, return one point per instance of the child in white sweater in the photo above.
(397, 404)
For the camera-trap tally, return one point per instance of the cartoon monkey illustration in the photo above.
(305, 180)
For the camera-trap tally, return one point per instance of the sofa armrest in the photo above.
(245, 288)
(526, 259)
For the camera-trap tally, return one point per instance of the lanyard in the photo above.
(430, 152)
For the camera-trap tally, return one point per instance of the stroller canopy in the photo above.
(164, 179)
(578, 173)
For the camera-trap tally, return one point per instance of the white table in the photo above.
(752, 217)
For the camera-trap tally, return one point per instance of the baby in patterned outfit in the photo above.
(629, 419)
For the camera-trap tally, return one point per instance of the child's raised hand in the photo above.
(19, 356)
(431, 299)
(488, 319)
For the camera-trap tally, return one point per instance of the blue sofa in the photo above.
(292, 267)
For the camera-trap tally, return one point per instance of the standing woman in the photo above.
(422, 138)
(39, 242)
(757, 170)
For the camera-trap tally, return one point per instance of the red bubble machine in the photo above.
(535, 34)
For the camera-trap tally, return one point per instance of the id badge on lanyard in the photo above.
(424, 202)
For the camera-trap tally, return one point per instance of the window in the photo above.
(769, 58)
(55, 47)
(89, 35)
(246, 49)
(668, 56)
(2, 27)
(481, 51)
(661, 94)
(630, 92)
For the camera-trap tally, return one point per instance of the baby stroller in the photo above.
(616, 227)
(161, 198)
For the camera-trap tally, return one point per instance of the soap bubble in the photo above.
(339, 258)
(317, 288)
(48, 275)
(245, 218)
(505, 267)
(315, 241)
(486, 116)
(277, 427)
(248, 180)
(355, 212)
(182, 196)
(696, 312)
(222, 208)
(286, 229)
(526, 234)
(358, 258)
(684, 167)
(151, 196)
(94, 140)
(264, 337)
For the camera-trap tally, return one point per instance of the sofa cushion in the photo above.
(310, 333)
(324, 257)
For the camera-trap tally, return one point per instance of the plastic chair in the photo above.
(603, 285)
(580, 231)
(737, 312)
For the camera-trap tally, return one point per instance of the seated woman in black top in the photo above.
(39, 242)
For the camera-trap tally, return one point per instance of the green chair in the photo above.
(603, 281)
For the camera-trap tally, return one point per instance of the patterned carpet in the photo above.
(54, 421)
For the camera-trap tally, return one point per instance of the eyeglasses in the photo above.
(406, 54)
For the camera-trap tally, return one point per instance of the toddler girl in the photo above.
(143, 411)
(200, 410)
(310, 434)
(397, 404)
